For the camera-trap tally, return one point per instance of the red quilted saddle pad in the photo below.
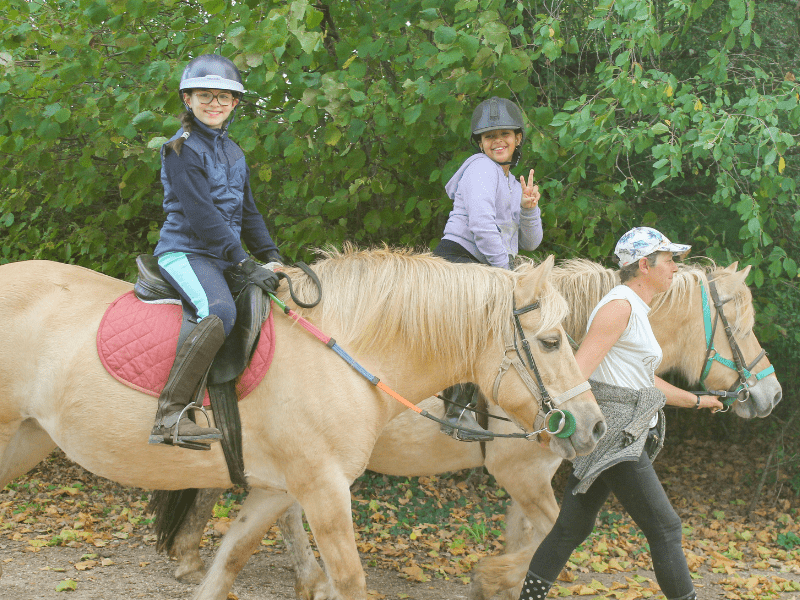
(137, 344)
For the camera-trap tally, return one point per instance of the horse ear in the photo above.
(531, 284)
(731, 268)
(732, 280)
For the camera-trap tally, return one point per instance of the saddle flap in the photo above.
(234, 356)
(151, 285)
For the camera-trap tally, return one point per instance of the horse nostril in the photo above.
(778, 398)
(599, 430)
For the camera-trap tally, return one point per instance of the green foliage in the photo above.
(788, 540)
(678, 114)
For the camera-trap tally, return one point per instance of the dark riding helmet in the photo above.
(497, 113)
(211, 71)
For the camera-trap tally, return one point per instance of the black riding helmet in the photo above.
(498, 113)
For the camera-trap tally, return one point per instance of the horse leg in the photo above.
(185, 547)
(260, 510)
(529, 519)
(311, 582)
(23, 445)
(329, 513)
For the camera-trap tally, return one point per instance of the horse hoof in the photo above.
(193, 577)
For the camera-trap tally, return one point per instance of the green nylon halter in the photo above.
(712, 354)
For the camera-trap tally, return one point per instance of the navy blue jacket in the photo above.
(208, 201)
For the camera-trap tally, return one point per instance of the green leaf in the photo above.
(144, 117)
(157, 142)
(332, 134)
(67, 585)
(412, 114)
(790, 266)
(659, 128)
(212, 7)
(444, 35)
(62, 115)
(372, 221)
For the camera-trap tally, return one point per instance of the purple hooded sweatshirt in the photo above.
(487, 219)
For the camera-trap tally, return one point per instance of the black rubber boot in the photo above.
(534, 587)
(460, 418)
(690, 596)
(188, 371)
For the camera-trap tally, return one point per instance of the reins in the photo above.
(556, 421)
(738, 363)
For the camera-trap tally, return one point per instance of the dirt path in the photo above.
(134, 570)
(62, 528)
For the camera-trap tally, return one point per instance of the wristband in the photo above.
(697, 405)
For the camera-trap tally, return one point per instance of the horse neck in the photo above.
(678, 327)
(583, 287)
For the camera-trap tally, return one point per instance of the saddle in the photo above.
(252, 308)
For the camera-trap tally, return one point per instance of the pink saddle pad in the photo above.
(137, 342)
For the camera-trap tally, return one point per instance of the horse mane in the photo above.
(689, 276)
(584, 283)
(372, 297)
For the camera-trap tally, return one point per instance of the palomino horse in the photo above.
(410, 446)
(416, 322)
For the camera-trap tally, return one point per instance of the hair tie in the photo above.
(185, 135)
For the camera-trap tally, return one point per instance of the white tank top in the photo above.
(633, 360)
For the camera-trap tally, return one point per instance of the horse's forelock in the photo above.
(554, 308)
(742, 299)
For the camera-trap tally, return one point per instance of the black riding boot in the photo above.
(460, 418)
(690, 596)
(191, 363)
(534, 587)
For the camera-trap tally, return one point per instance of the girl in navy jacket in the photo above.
(210, 209)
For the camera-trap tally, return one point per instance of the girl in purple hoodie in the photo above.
(493, 216)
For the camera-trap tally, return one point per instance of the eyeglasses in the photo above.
(224, 98)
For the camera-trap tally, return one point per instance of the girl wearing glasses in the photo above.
(210, 209)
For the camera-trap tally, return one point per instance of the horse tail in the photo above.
(170, 509)
(494, 574)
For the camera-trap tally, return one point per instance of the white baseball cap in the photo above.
(643, 241)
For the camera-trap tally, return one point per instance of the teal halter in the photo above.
(738, 362)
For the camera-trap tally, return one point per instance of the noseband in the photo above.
(740, 390)
(556, 421)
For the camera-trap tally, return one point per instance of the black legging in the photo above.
(454, 252)
(636, 486)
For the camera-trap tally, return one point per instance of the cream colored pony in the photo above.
(411, 446)
(417, 322)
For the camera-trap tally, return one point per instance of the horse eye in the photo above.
(550, 344)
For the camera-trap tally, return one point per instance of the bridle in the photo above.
(551, 418)
(741, 389)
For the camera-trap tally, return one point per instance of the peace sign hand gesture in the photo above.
(530, 192)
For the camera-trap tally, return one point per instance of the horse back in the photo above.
(51, 312)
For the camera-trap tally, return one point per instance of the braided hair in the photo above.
(187, 122)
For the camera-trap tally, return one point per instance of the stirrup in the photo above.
(175, 438)
(458, 431)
